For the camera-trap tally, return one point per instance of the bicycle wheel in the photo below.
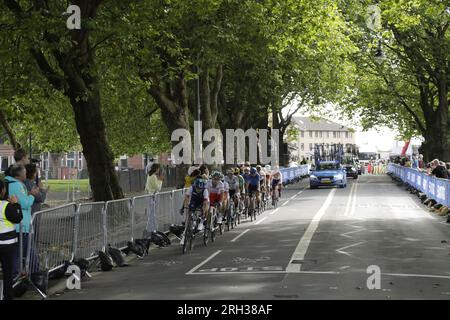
(212, 227)
(187, 234)
(229, 218)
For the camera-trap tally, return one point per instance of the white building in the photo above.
(322, 131)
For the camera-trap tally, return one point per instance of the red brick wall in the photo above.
(136, 162)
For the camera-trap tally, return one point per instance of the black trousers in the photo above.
(7, 254)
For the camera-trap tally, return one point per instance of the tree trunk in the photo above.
(9, 131)
(99, 158)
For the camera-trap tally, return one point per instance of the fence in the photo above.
(434, 188)
(69, 232)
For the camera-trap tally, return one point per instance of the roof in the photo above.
(308, 124)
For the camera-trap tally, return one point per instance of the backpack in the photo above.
(7, 183)
(136, 247)
(106, 262)
(164, 238)
(177, 230)
(117, 257)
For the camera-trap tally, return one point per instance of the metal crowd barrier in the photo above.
(290, 174)
(62, 234)
(435, 188)
(89, 230)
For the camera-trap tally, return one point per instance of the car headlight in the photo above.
(338, 177)
(313, 177)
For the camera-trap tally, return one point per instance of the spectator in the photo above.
(303, 161)
(447, 166)
(407, 162)
(193, 173)
(153, 185)
(20, 157)
(415, 162)
(439, 169)
(149, 165)
(25, 199)
(154, 179)
(30, 183)
(204, 171)
(12, 214)
(421, 162)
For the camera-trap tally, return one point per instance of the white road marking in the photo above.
(274, 211)
(258, 272)
(244, 232)
(204, 262)
(351, 232)
(261, 220)
(416, 275)
(353, 206)
(349, 202)
(302, 247)
(285, 203)
(346, 247)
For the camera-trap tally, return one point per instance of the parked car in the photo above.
(351, 171)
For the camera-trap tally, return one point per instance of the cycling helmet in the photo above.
(230, 171)
(216, 175)
(253, 170)
(237, 171)
(258, 167)
(267, 167)
(200, 183)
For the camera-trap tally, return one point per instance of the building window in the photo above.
(317, 134)
(302, 134)
(80, 160)
(334, 134)
(338, 134)
(310, 134)
(310, 147)
(45, 161)
(302, 147)
(70, 160)
(320, 134)
(346, 135)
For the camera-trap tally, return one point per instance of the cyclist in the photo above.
(277, 180)
(226, 194)
(197, 196)
(252, 183)
(237, 173)
(216, 192)
(234, 185)
(260, 195)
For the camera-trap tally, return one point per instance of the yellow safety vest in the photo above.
(7, 230)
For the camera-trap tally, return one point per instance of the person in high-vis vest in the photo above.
(10, 214)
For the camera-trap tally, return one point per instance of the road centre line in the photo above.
(302, 247)
(353, 206)
(204, 262)
(350, 201)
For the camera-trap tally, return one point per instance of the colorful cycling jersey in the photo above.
(277, 177)
(252, 180)
(196, 199)
(241, 182)
(219, 188)
(233, 182)
(226, 186)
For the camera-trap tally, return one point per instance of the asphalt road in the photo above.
(317, 245)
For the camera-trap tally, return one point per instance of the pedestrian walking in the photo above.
(155, 179)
